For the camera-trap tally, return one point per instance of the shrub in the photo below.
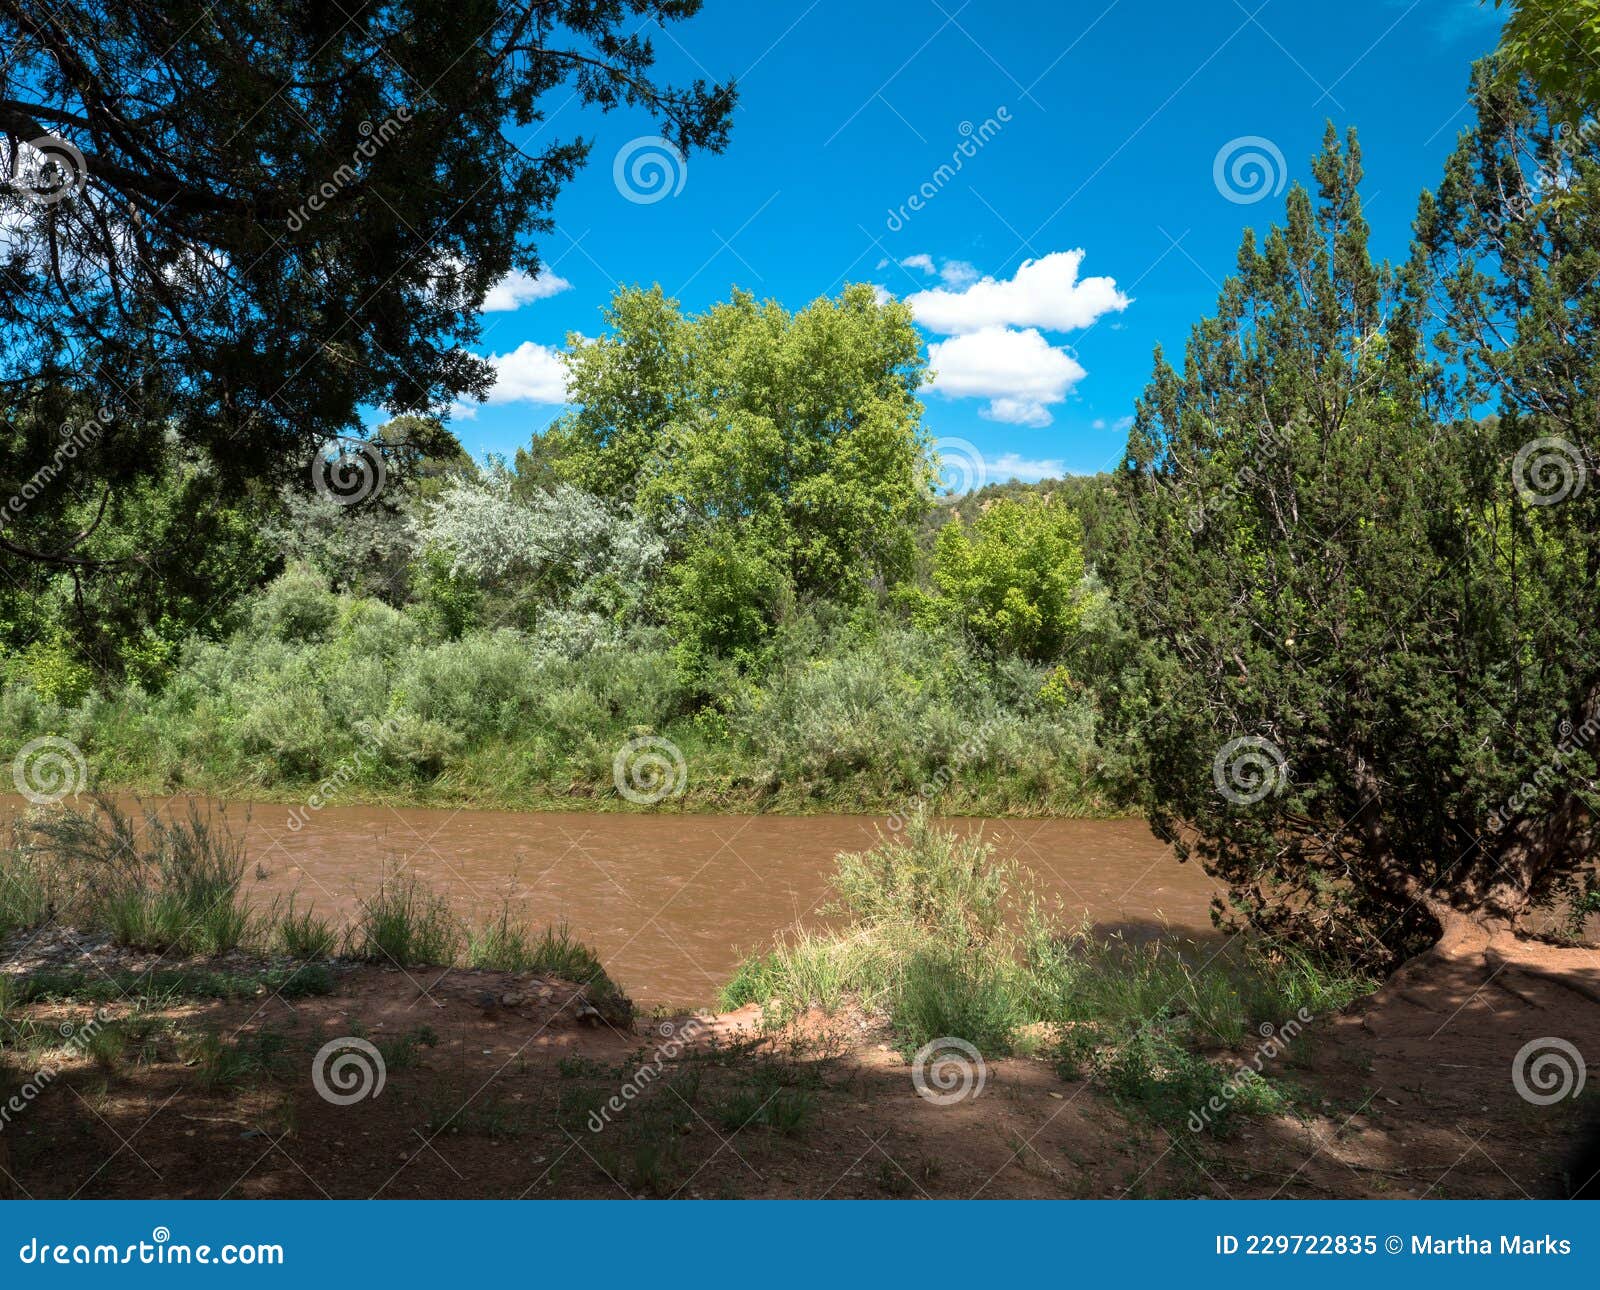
(296, 607)
(1015, 583)
(931, 879)
(405, 924)
(166, 883)
(502, 945)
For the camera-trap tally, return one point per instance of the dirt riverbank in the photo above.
(499, 1085)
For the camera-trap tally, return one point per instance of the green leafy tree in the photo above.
(1012, 579)
(1556, 45)
(1365, 650)
(781, 451)
(723, 597)
(164, 556)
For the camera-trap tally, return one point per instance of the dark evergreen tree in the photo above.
(1370, 660)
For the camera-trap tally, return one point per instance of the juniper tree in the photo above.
(1369, 661)
(240, 224)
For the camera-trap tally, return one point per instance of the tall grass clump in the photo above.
(301, 933)
(152, 882)
(25, 889)
(405, 924)
(927, 941)
(943, 939)
(1219, 998)
(503, 944)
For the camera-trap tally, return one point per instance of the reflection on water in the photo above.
(672, 902)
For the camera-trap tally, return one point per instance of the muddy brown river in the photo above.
(672, 902)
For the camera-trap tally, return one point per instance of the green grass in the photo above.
(25, 895)
(300, 933)
(943, 941)
(404, 924)
(221, 1064)
(1222, 996)
(1153, 1075)
(106, 1046)
(927, 942)
(676, 1123)
(783, 1108)
(156, 882)
(941, 994)
(504, 945)
(174, 885)
(78, 985)
(403, 1051)
(1156, 1025)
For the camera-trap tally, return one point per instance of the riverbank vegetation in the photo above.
(1329, 624)
(735, 559)
(941, 939)
(175, 887)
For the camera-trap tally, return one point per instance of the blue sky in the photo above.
(1108, 127)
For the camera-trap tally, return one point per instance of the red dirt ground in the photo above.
(1410, 1093)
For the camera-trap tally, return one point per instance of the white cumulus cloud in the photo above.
(922, 261)
(958, 273)
(518, 288)
(1043, 293)
(1019, 372)
(531, 373)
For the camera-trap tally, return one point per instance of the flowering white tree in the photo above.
(582, 553)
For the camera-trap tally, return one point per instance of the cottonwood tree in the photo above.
(781, 452)
(1556, 45)
(238, 224)
(1367, 606)
(1012, 580)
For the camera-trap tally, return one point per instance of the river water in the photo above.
(673, 901)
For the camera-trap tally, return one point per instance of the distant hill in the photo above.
(1085, 493)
